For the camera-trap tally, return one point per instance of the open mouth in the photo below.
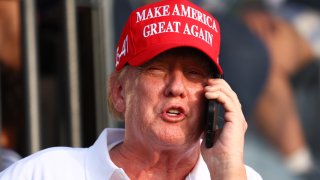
(173, 112)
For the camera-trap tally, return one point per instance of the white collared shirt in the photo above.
(93, 163)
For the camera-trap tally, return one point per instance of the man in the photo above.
(164, 60)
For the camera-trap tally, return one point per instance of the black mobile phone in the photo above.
(212, 119)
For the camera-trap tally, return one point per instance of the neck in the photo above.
(142, 163)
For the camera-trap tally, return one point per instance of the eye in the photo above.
(155, 69)
(197, 73)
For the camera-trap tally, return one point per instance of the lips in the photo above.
(174, 113)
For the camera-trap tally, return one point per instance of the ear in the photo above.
(117, 95)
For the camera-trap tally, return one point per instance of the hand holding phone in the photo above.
(211, 120)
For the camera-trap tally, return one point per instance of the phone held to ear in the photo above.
(212, 119)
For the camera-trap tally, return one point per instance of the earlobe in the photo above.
(117, 96)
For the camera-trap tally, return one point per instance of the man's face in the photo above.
(164, 100)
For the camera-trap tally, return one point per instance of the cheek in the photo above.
(198, 103)
(148, 91)
(142, 99)
(196, 96)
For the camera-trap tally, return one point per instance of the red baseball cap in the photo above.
(158, 27)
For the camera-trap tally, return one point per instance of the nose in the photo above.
(175, 85)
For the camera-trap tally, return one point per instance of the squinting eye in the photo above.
(155, 70)
(196, 72)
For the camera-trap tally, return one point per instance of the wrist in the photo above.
(227, 169)
(235, 173)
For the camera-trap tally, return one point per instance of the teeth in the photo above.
(174, 111)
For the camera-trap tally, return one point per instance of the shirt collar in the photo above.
(200, 171)
(99, 165)
(98, 162)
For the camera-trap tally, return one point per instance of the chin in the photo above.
(172, 136)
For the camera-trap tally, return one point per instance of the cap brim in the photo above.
(150, 52)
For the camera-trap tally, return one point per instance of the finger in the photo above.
(240, 121)
(214, 82)
(229, 104)
(220, 85)
(217, 90)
